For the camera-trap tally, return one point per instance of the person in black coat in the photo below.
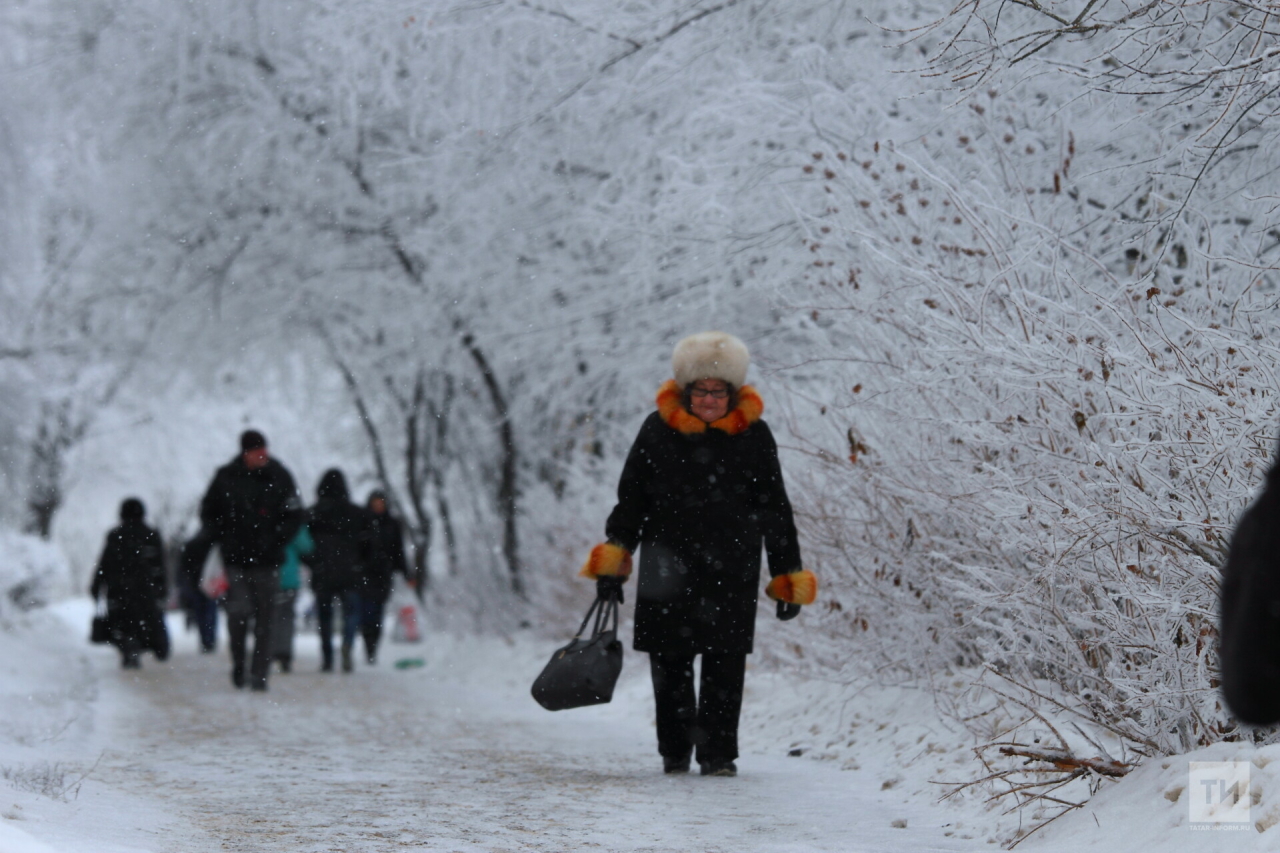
(131, 574)
(386, 559)
(701, 491)
(341, 532)
(1249, 635)
(252, 511)
(201, 609)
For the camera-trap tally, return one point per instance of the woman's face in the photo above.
(709, 399)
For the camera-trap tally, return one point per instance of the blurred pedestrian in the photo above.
(131, 574)
(252, 510)
(702, 490)
(341, 532)
(1249, 636)
(287, 597)
(201, 608)
(386, 559)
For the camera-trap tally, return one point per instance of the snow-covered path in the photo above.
(454, 756)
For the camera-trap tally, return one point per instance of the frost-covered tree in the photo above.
(77, 311)
(515, 210)
(1048, 311)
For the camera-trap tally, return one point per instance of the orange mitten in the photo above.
(607, 561)
(794, 587)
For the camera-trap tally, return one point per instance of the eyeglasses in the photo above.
(719, 393)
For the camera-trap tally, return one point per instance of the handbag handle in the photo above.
(610, 609)
(602, 611)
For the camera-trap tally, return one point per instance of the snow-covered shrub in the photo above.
(1044, 412)
(33, 572)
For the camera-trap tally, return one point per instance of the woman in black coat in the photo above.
(702, 490)
(131, 574)
(341, 532)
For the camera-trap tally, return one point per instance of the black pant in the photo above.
(282, 628)
(350, 602)
(708, 721)
(203, 611)
(137, 625)
(251, 598)
(372, 604)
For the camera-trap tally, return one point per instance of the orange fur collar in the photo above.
(670, 406)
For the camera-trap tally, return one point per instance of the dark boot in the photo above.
(237, 674)
(347, 664)
(676, 763)
(372, 634)
(286, 663)
(719, 767)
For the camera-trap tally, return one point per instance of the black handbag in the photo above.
(100, 630)
(585, 671)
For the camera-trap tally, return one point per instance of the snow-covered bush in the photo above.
(1052, 388)
(32, 573)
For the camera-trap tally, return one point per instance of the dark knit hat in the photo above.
(251, 439)
(333, 487)
(131, 509)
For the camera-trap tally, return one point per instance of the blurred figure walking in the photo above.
(201, 609)
(1249, 635)
(386, 559)
(252, 510)
(341, 533)
(287, 597)
(131, 574)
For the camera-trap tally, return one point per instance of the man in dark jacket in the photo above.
(386, 559)
(252, 510)
(131, 573)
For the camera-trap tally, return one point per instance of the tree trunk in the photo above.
(508, 494)
(54, 437)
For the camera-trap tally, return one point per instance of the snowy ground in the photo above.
(455, 756)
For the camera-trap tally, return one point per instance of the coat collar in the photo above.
(671, 408)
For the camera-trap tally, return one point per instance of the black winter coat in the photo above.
(1249, 649)
(131, 573)
(701, 505)
(251, 513)
(131, 568)
(191, 560)
(386, 556)
(343, 534)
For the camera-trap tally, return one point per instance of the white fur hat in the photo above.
(710, 355)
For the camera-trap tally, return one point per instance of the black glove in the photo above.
(609, 588)
(788, 611)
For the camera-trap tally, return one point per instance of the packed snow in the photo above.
(454, 755)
